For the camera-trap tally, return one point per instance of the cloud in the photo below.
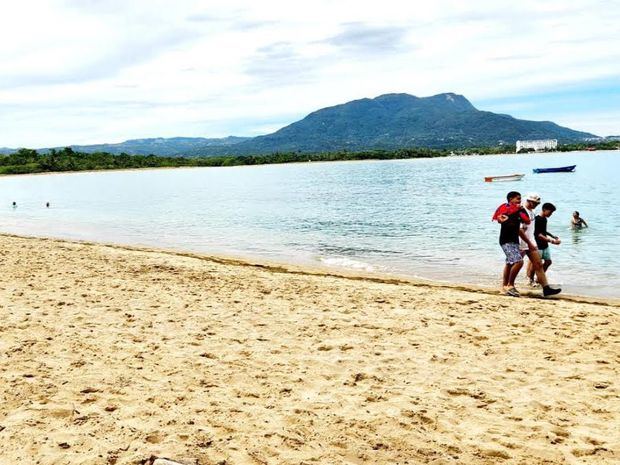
(279, 63)
(516, 57)
(587, 106)
(126, 52)
(252, 25)
(203, 18)
(601, 123)
(112, 69)
(365, 40)
(297, 63)
(230, 20)
(98, 6)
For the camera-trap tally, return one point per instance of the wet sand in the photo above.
(113, 355)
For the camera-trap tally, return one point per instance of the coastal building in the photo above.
(537, 145)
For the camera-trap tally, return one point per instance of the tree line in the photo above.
(30, 161)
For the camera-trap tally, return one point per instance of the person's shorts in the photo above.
(545, 254)
(533, 255)
(513, 254)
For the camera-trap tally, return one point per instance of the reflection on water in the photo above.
(577, 235)
(428, 218)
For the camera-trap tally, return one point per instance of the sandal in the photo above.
(513, 292)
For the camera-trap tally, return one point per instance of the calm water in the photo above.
(427, 218)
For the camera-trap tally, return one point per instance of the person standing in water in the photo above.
(578, 222)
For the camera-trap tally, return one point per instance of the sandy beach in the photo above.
(116, 355)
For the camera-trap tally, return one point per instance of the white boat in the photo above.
(506, 177)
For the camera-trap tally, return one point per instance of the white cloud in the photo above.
(606, 123)
(90, 71)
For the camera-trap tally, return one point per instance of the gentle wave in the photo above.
(347, 263)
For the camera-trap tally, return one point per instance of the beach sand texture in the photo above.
(111, 355)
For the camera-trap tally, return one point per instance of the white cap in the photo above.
(532, 196)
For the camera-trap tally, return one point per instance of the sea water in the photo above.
(427, 218)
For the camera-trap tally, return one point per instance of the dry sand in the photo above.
(115, 355)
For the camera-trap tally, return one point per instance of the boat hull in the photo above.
(508, 177)
(561, 169)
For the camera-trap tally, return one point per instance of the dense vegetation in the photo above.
(394, 121)
(30, 161)
(602, 145)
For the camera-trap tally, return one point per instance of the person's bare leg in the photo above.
(530, 271)
(514, 272)
(547, 264)
(506, 274)
(538, 268)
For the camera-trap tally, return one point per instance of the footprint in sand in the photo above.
(154, 437)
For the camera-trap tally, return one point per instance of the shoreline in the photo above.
(322, 271)
(292, 163)
(118, 355)
(597, 277)
(149, 168)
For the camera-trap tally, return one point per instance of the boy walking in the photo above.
(543, 239)
(528, 245)
(510, 216)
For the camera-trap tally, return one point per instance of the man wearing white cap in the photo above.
(528, 245)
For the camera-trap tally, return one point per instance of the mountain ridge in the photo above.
(393, 121)
(388, 121)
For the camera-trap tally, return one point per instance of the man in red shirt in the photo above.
(510, 215)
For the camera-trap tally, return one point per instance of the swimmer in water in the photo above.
(578, 222)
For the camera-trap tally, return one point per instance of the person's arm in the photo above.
(540, 230)
(553, 239)
(543, 238)
(584, 222)
(530, 245)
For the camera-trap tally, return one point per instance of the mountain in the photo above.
(173, 146)
(390, 121)
(394, 121)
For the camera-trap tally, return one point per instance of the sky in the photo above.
(95, 71)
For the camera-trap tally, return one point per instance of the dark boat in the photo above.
(561, 169)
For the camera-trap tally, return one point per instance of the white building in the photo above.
(541, 144)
